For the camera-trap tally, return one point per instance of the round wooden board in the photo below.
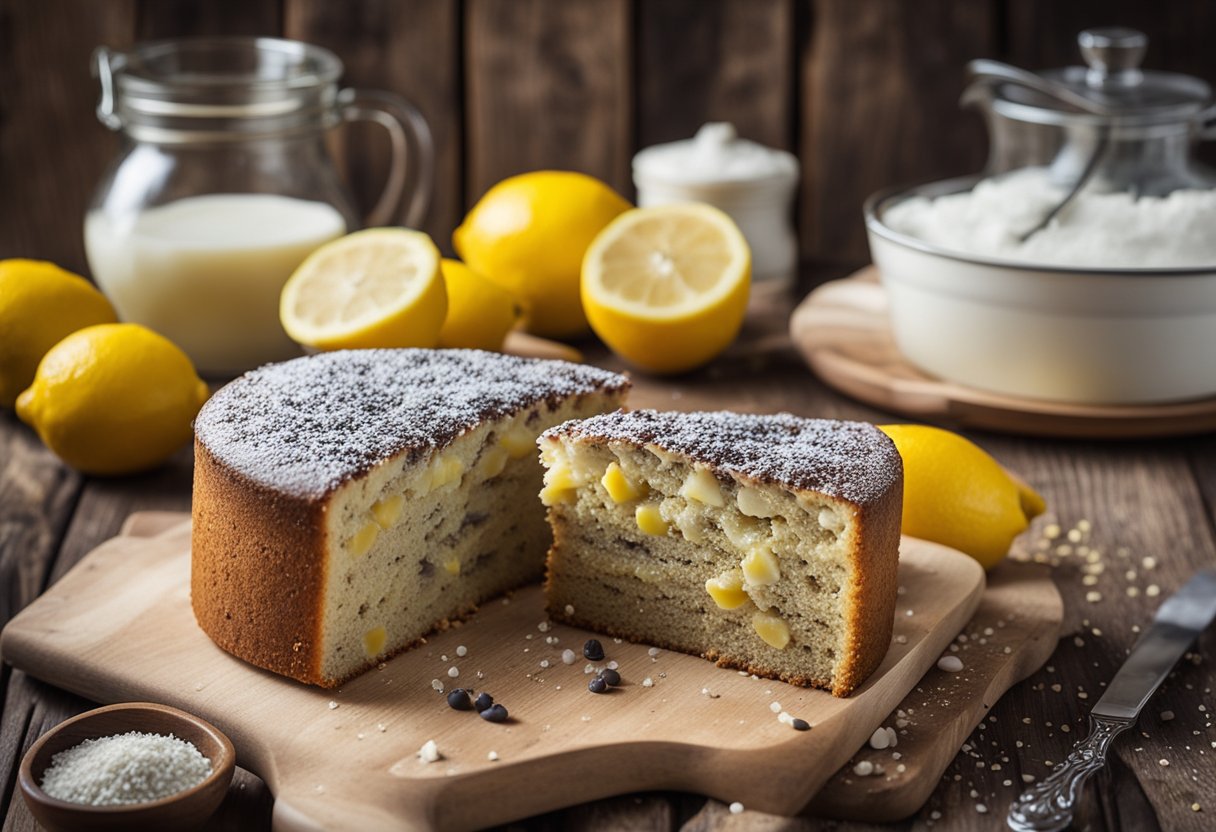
(843, 332)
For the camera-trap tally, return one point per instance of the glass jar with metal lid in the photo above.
(1109, 123)
(223, 185)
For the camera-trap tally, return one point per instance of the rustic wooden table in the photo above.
(1128, 523)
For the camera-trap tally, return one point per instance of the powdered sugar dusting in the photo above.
(306, 425)
(854, 461)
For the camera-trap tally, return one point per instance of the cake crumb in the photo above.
(492, 756)
(429, 753)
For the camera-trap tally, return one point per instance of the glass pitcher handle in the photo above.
(413, 154)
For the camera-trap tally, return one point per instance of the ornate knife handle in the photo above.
(1049, 805)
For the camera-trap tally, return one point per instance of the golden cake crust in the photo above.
(257, 569)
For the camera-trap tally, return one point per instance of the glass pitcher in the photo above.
(223, 186)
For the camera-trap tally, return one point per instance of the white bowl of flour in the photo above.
(1113, 303)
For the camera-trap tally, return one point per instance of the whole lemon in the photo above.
(958, 495)
(480, 312)
(113, 399)
(529, 234)
(40, 303)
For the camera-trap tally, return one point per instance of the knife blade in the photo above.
(1049, 805)
(1182, 617)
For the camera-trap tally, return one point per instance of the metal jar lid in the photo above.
(1110, 88)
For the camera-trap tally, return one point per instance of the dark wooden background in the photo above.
(864, 91)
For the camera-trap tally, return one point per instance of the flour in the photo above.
(1110, 230)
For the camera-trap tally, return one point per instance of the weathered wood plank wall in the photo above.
(865, 91)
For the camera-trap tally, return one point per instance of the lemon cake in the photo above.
(345, 504)
(764, 543)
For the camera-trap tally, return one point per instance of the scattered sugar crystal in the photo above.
(736, 808)
(950, 664)
(332, 704)
(462, 651)
(492, 756)
(569, 609)
(648, 682)
(653, 651)
(543, 626)
(863, 769)
(123, 769)
(1166, 716)
(429, 752)
(568, 657)
(612, 665)
(775, 707)
(544, 662)
(879, 739)
(437, 685)
(453, 671)
(1152, 590)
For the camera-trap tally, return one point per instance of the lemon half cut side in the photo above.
(381, 287)
(666, 287)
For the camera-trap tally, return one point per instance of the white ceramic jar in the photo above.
(752, 183)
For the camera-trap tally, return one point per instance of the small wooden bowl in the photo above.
(188, 809)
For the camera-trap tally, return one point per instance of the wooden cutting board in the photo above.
(843, 331)
(118, 627)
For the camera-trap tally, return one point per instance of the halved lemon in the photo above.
(666, 287)
(376, 288)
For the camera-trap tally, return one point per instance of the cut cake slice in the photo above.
(346, 504)
(764, 543)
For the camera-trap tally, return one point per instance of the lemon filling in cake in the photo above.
(765, 543)
(348, 503)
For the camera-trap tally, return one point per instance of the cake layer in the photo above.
(766, 543)
(348, 503)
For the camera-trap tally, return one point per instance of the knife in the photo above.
(1049, 805)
